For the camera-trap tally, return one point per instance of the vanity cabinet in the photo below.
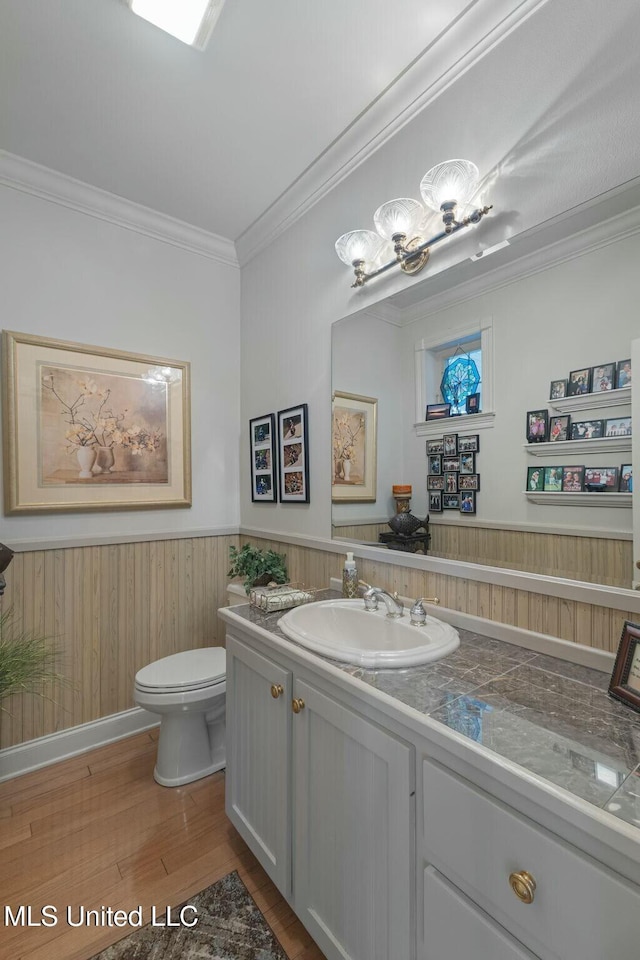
(324, 798)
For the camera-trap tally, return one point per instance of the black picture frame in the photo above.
(558, 389)
(472, 403)
(559, 428)
(537, 429)
(603, 479)
(586, 429)
(263, 459)
(579, 382)
(450, 444)
(293, 439)
(450, 501)
(535, 479)
(435, 464)
(435, 482)
(434, 446)
(450, 482)
(450, 464)
(553, 479)
(625, 483)
(467, 463)
(573, 479)
(469, 481)
(468, 502)
(438, 411)
(469, 443)
(435, 501)
(624, 684)
(617, 427)
(603, 377)
(623, 373)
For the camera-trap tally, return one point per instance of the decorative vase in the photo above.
(404, 523)
(86, 458)
(105, 461)
(346, 469)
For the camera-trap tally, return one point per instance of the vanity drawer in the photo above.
(580, 910)
(455, 928)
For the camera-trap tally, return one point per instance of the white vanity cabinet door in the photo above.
(258, 727)
(455, 929)
(353, 857)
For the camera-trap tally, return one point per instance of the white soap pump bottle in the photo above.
(350, 578)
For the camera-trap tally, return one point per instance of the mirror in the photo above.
(537, 325)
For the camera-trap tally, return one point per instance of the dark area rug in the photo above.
(230, 927)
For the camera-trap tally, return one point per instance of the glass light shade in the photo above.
(359, 245)
(451, 181)
(399, 216)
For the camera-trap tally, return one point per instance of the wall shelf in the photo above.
(579, 499)
(559, 448)
(592, 401)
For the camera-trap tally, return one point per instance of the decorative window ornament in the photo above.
(459, 380)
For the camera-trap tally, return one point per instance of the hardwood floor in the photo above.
(97, 831)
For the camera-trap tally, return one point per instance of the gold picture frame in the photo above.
(90, 428)
(354, 448)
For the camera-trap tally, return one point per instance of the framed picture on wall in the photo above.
(579, 382)
(620, 427)
(469, 444)
(91, 428)
(467, 501)
(354, 447)
(626, 478)
(537, 426)
(535, 479)
(623, 373)
(572, 479)
(262, 443)
(435, 501)
(603, 377)
(293, 465)
(558, 389)
(625, 679)
(559, 428)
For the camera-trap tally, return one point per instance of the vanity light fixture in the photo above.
(444, 188)
(191, 21)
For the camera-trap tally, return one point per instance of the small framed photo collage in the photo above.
(453, 480)
(598, 379)
(572, 479)
(543, 428)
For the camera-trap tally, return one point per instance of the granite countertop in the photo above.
(552, 717)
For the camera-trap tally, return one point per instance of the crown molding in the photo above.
(38, 181)
(467, 40)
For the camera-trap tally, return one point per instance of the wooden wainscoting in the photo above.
(113, 609)
(585, 623)
(593, 559)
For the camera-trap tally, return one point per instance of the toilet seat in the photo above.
(188, 670)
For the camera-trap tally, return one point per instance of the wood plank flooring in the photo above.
(96, 831)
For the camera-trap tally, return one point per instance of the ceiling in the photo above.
(286, 91)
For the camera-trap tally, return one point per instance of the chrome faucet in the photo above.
(418, 614)
(373, 594)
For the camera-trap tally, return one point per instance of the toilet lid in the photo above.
(189, 670)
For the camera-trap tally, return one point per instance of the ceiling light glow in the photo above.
(188, 20)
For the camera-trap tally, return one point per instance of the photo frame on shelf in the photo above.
(573, 479)
(603, 377)
(293, 461)
(535, 479)
(558, 389)
(537, 429)
(559, 428)
(354, 431)
(262, 444)
(617, 427)
(472, 403)
(625, 484)
(579, 382)
(601, 478)
(623, 373)
(586, 429)
(438, 411)
(92, 428)
(552, 479)
(469, 443)
(624, 684)
(467, 501)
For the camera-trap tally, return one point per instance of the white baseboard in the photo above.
(34, 754)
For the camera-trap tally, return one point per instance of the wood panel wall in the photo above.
(112, 609)
(592, 559)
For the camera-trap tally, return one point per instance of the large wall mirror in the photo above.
(534, 322)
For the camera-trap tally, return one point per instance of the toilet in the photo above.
(187, 690)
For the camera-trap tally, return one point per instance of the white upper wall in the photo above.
(71, 276)
(551, 120)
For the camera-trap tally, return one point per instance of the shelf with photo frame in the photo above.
(592, 401)
(556, 448)
(579, 498)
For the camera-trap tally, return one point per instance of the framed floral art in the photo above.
(353, 441)
(90, 428)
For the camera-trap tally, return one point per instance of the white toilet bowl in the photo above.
(187, 690)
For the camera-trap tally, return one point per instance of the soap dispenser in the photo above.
(350, 578)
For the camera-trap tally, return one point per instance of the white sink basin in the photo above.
(344, 630)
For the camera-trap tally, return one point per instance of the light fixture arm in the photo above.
(412, 257)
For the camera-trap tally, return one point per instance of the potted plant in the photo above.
(257, 567)
(26, 659)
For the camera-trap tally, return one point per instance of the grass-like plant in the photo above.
(27, 661)
(258, 567)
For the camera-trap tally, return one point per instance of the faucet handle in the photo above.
(370, 598)
(418, 614)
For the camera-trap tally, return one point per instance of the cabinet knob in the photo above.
(276, 690)
(297, 704)
(523, 885)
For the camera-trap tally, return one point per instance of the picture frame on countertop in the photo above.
(559, 428)
(623, 373)
(586, 429)
(469, 443)
(262, 444)
(537, 430)
(617, 427)
(603, 377)
(579, 382)
(558, 389)
(625, 484)
(293, 462)
(573, 479)
(624, 684)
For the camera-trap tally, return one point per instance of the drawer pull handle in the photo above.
(523, 885)
(297, 705)
(276, 690)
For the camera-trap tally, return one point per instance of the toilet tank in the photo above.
(236, 594)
